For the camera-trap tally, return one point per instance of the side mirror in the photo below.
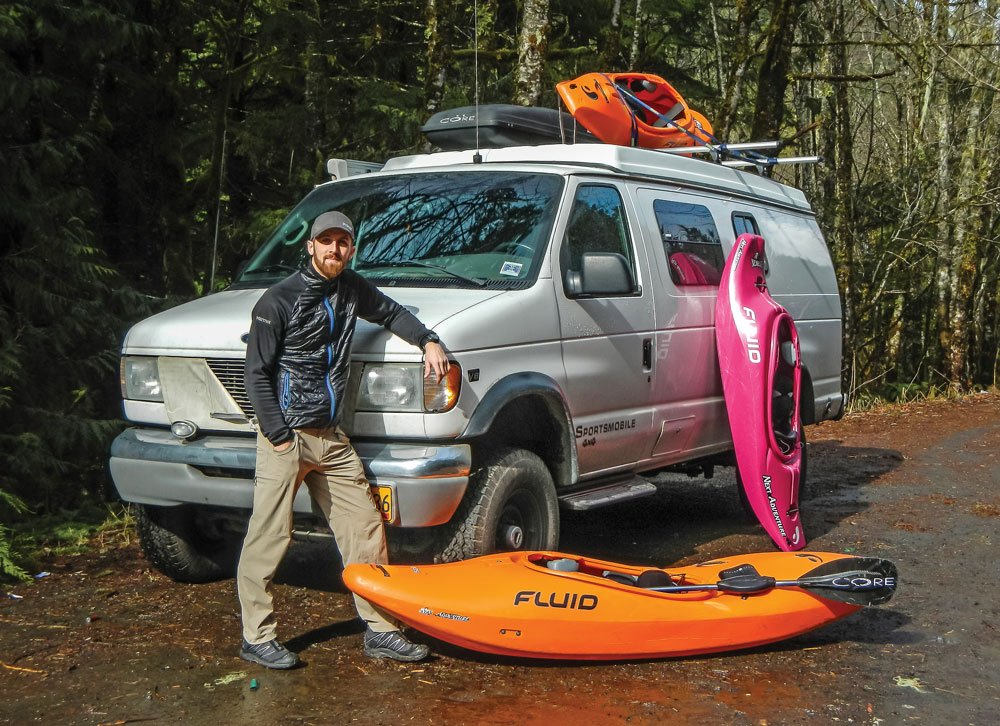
(601, 274)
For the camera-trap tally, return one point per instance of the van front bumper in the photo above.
(152, 466)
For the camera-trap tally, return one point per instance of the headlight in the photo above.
(140, 379)
(391, 388)
(402, 387)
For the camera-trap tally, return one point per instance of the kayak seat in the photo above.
(619, 577)
(654, 578)
(788, 352)
(647, 579)
(783, 407)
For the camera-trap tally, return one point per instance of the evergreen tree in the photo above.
(62, 307)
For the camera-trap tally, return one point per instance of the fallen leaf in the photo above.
(228, 678)
(913, 683)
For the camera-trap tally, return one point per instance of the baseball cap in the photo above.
(331, 220)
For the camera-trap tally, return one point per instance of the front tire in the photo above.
(511, 504)
(176, 546)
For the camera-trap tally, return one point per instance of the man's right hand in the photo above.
(284, 446)
(435, 361)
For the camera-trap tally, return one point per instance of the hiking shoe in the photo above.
(393, 645)
(271, 654)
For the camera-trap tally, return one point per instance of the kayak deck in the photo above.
(515, 604)
(633, 109)
(760, 367)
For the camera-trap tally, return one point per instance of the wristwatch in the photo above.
(430, 337)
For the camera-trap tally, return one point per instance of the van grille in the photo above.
(229, 371)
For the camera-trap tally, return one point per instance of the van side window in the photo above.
(691, 242)
(744, 223)
(597, 223)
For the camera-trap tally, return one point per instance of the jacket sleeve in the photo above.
(267, 331)
(376, 307)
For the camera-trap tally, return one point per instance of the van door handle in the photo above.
(647, 354)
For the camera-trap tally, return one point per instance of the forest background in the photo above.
(148, 146)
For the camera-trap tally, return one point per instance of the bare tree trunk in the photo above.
(962, 256)
(943, 112)
(233, 57)
(610, 40)
(637, 36)
(772, 81)
(532, 49)
(313, 67)
(894, 347)
(977, 26)
(315, 118)
(839, 148)
(741, 53)
(487, 34)
(717, 42)
(987, 316)
(439, 16)
(942, 288)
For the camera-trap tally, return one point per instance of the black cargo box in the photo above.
(501, 125)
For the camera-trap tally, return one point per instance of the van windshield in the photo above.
(448, 229)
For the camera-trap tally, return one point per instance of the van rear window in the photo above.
(744, 223)
(450, 229)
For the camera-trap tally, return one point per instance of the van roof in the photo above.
(617, 160)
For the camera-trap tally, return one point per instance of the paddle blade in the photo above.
(862, 581)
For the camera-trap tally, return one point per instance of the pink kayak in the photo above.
(759, 359)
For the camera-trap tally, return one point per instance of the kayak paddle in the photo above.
(862, 581)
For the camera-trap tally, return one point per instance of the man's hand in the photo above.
(435, 361)
(284, 446)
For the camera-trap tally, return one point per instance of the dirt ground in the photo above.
(106, 640)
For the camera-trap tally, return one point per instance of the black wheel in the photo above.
(176, 546)
(748, 514)
(510, 505)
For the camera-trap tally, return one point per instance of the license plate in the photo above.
(383, 500)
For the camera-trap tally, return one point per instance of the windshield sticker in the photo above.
(511, 268)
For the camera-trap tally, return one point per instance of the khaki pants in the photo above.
(326, 461)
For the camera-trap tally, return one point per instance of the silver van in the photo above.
(574, 287)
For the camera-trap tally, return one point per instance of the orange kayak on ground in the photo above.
(633, 109)
(560, 606)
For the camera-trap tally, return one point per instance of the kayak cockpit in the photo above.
(645, 579)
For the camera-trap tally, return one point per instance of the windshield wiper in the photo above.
(479, 282)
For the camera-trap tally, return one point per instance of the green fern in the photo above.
(9, 569)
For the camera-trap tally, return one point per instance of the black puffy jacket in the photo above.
(299, 349)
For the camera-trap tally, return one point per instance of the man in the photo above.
(298, 355)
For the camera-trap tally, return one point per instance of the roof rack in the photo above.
(343, 168)
(494, 126)
(744, 154)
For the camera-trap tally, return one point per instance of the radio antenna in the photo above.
(477, 158)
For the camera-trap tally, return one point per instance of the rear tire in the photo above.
(175, 545)
(511, 504)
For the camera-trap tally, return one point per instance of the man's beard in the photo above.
(329, 266)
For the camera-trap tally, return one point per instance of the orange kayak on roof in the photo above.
(561, 606)
(633, 109)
